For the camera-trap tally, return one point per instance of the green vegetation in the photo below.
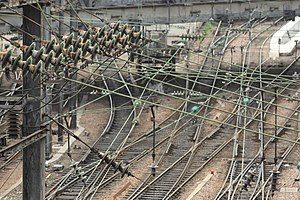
(207, 29)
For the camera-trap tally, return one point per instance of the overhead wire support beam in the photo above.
(25, 142)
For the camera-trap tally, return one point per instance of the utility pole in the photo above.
(34, 154)
(275, 131)
(47, 93)
(153, 166)
(261, 128)
(73, 74)
(232, 50)
(61, 18)
(169, 14)
(296, 48)
(275, 171)
(59, 112)
(61, 94)
(47, 111)
(262, 143)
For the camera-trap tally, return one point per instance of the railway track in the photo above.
(8, 164)
(241, 170)
(94, 174)
(106, 175)
(168, 180)
(246, 180)
(74, 185)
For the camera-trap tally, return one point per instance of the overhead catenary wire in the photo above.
(209, 86)
(193, 115)
(212, 58)
(179, 98)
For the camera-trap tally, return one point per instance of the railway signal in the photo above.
(195, 109)
(153, 166)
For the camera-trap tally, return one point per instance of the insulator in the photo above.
(124, 170)
(37, 69)
(114, 164)
(48, 59)
(59, 48)
(137, 37)
(125, 41)
(139, 42)
(85, 47)
(58, 62)
(93, 51)
(28, 50)
(137, 34)
(13, 125)
(69, 40)
(95, 39)
(123, 29)
(69, 50)
(109, 34)
(26, 65)
(6, 58)
(50, 45)
(110, 46)
(118, 36)
(104, 157)
(116, 26)
(39, 54)
(85, 36)
(16, 61)
(77, 56)
(131, 32)
(103, 40)
(77, 43)
(118, 166)
(102, 31)
(95, 29)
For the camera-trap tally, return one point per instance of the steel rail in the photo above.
(92, 187)
(199, 127)
(267, 107)
(219, 98)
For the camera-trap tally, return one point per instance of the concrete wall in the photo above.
(283, 41)
(200, 12)
(184, 12)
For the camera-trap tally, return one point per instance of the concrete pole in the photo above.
(169, 13)
(275, 129)
(61, 18)
(59, 112)
(61, 96)
(73, 73)
(47, 111)
(33, 155)
(48, 94)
